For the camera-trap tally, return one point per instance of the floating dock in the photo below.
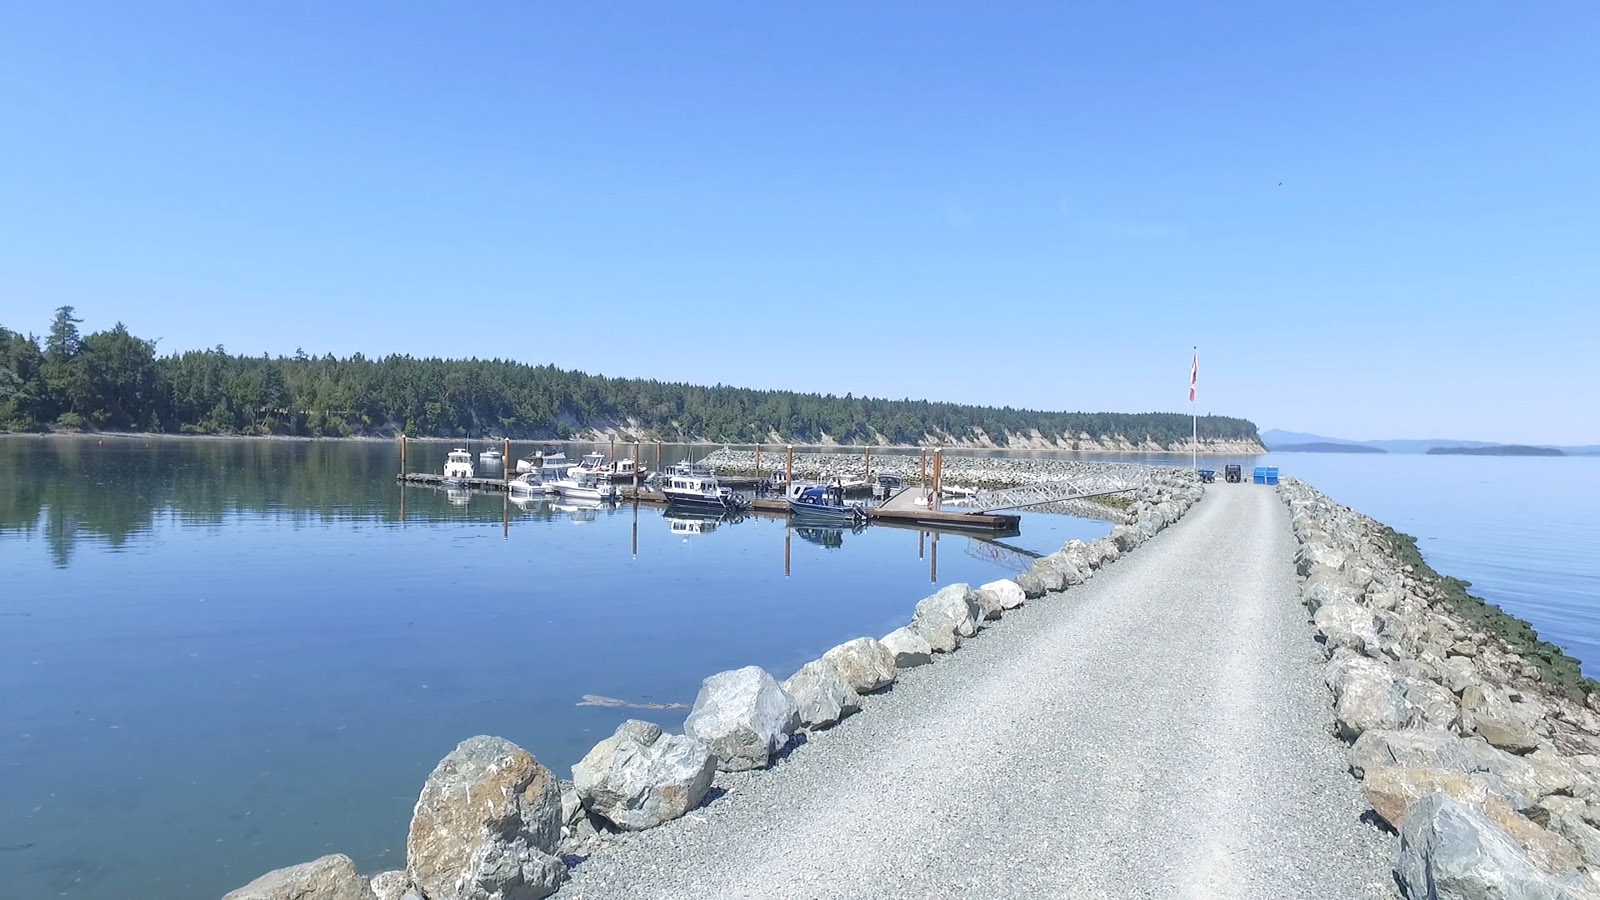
(899, 509)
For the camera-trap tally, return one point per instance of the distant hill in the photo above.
(1275, 439)
(1325, 447)
(1496, 450)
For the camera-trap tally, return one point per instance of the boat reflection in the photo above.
(831, 538)
(689, 521)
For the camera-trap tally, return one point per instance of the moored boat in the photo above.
(825, 502)
(526, 483)
(697, 486)
(458, 466)
(584, 485)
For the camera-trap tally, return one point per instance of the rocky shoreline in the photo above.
(1476, 743)
(493, 824)
(958, 471)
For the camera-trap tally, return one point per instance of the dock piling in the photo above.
(789, 470)
(938, 471)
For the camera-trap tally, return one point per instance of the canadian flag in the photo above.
(1194, 374)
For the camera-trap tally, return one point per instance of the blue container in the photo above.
(1259, 475)
(1272, 475)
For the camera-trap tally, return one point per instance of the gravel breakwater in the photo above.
(963, 471)
(494, 824)
(1476, 742)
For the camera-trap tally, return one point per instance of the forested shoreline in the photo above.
(114, 380)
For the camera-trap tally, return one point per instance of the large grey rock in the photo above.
(909, 649)
(946, 617)
(864, 664)
(1032, 585)
(1450, 851)
(486, 826)
(641, 776)
(1431, 705)
(1068, 563)
(1531, 777)
(744, 716)
(1425, 747)
(821, 694)
(394, 885)
(1487, 712)
(1049, 574)
(1365, 696)
(1321, 592)
(332, 877)
(1564, 816)
(1346, 625)
(1313, 554)
(1393, 790)
(1005, 594)
(1127, 537)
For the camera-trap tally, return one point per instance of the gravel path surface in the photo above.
(1161, 731)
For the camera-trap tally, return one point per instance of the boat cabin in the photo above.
(458, 465)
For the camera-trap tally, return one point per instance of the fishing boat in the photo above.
(458, 466)
(696, 486)
(584, 485)
(825, 502)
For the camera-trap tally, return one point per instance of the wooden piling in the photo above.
(938, 473)
(505, 465)
(922, 480)
(758, 460)
(788, 535)
(789, 471)
(658, 456)
(869, 466)
(636, 479)
(402, 453)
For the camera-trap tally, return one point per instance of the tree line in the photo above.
(114, 380)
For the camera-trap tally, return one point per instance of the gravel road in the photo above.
(1161, 731)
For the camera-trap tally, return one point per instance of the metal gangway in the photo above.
(1110, 480)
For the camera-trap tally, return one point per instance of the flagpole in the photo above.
(1194, 417)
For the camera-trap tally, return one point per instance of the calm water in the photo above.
(219, 657)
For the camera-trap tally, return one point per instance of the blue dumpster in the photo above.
(1265, 475)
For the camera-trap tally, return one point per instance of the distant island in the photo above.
(1326, 447)
(1497, 450)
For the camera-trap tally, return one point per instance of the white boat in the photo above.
(592, 464)
(526, 483)
(529, 463)
(582, 485)
(552, 468)
(624, 470)
(490, 457)
(697, 486)
(458, 466)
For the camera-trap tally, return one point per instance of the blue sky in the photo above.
(1376, 220)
